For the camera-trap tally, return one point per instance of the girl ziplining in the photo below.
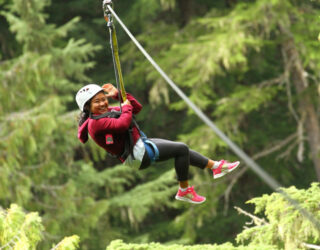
(115, 130)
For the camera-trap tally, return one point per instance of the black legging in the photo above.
(182, 154)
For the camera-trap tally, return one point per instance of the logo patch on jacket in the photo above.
(109, 139)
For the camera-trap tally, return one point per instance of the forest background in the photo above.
(252, 66)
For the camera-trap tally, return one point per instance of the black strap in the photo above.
(111, 114)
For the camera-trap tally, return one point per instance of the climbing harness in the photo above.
(150, 147)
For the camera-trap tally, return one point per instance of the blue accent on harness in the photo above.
(151, 148)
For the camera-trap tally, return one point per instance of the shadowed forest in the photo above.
(252, 66)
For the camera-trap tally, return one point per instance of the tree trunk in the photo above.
(186, 10)
(300, 82)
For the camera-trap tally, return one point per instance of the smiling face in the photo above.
(99, 104)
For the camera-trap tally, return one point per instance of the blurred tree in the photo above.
(282, 225)
(21, 231)
(37, 130)
(226, 55)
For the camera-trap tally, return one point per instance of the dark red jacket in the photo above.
(100, 130)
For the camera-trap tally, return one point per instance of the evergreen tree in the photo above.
(283, 226)
(118, 244)
(20, 230)
(38, 147)
(231, 58)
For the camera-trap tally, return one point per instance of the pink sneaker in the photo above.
(190, 196)
(224, 168)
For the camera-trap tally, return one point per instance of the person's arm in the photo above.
(113, 93)
(115, 125)
(135, 104)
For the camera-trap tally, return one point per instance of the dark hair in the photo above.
(84, 115)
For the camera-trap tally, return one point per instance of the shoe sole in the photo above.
(226, 172)
(188, 200)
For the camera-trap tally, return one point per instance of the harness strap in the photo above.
(117, 62)
(115, 57)
(151, 148)
(111, 114)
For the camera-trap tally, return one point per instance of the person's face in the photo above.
(99, 104)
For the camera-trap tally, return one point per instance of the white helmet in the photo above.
(86, 93)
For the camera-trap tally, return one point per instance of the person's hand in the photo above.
(110, 90)
(126, 102)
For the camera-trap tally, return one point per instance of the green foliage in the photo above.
(226, 58)
(119, 244)
(37, 140)
(20, 230)
(285, 226)
(138, 202)
(68, 243)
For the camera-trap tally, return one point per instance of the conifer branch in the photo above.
(277, 147)
(12, 242)
(299, 141)
(70, 115)
(288, 151)
(277, 80)
(238, 175)
(52, 187)
(310, 246)
(257, 221)
(230, 186)
(19, 115)
(51, 236)
(34, 167)
(43, 204)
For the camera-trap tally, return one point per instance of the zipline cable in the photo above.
(251, 163)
